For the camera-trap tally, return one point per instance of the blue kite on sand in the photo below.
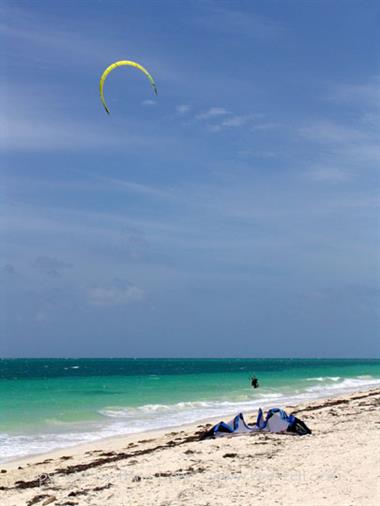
(276, 420)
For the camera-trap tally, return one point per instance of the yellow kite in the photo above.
(119, 64)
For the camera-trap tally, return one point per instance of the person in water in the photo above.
(254, 382)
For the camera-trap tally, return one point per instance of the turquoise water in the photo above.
(51, 403)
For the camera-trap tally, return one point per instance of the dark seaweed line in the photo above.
(21, 484)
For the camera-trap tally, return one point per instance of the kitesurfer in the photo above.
(254, 382)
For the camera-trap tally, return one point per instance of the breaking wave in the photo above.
(118, 420)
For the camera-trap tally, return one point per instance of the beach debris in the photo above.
(49, 500)
(75, 468)
(38, 482)
(120, 64)
(3, 471)
(37, 498)
(326, 405)
(179, 472)
(136, 479)
(102, 487)
(74, 493)
(85, 491)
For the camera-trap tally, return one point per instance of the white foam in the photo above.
(119, 420)
(17, 446)
(346, 385)
(324, 378)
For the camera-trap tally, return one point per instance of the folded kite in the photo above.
(277, 421)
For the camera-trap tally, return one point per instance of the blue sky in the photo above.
(236, 214)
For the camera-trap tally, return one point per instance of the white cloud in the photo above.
(41, 317)
(356, 147)
(243, 22)
(265, 126)
(365, 94)
(330, 174)
(35, 134)
(371, 118)
(148, 103)
(89, 182)
(60, 46)
(51, 266)
(364, 153)
(27, 125)
(8, 269)
(214, 128)
(183, 108)
(236, 121)
(213, 112)
(82, 49)
(118, 293)
(138, 188)
(328, 131)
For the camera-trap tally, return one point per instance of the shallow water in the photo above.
(52, 403)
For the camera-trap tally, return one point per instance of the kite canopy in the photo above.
(276, 421)
(120, 64)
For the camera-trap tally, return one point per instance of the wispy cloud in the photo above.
(63, 47)
(227, 19)
(331, 132)
(213, 112)
(347, 149)
(266, 126)
(8, 269)
(364, 154)
(51, 266)
(84, 49)
(84, 181)
(27, 125)
(148, 103)
(117, 293)
(35, 134)
(183, 108)
(363, 94)
(138, 188)
(330, 174)
(236, 121)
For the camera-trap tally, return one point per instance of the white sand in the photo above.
(338, 465)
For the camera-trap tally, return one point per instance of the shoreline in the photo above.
(160, 432)
(345, 431)
(288, 401)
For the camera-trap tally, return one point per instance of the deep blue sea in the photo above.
(52, 403)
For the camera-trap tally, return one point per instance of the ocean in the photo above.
(54, 403)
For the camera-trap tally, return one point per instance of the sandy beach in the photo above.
(338, 465)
